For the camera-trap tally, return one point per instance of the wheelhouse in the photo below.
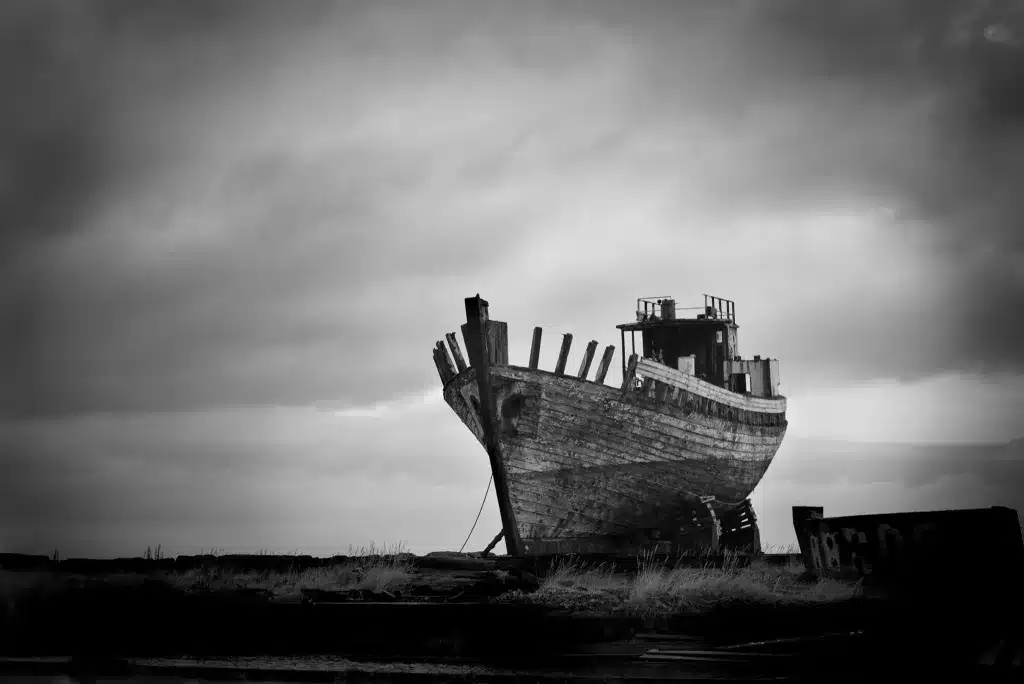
(704, 345)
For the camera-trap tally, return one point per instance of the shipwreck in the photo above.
(663, 462)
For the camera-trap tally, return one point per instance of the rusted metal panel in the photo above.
(588, 358)
(460, 362)
(535, 348)
(606, 360)
(908, 548)
(802, 514)
(563, 354)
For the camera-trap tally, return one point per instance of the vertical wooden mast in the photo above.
(479, 358)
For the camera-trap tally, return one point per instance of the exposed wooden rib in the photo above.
(460, 362)
(442, 369)
(588, 358)
(535, 348)
(630, 375)
(442, 353)
(606, 360)
(563, 354)
(478, 339)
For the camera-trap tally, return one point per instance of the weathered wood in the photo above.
(442, 354)
(636, 456)
(660, 391)
(535, 348)
(443, 369)
(630, 375)
(497, 341)
(494, 542)
(563, 354)
(588, 358)
(460, 362)
(676, 430)
(651, 369)
(479, 356)
(580, 464)
(623, 335)
(606, 361)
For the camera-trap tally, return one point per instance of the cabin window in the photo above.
(718, 337)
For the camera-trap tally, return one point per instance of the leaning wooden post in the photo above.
(535, 349)
(606, 360)
(479, 359)
(494, 542)
(623, 331)
(563, 354)
(588, 358)
(460, 362)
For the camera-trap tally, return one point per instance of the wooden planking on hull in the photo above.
(581, 481)
(574, 418)
(552, 448)
(705, 429)
(593, 507)
(616, 487)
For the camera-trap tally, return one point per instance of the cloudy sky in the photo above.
(232, 231)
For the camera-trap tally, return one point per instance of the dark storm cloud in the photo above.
(914, 110)
(966, 183)
(239, 203)
(63, 66)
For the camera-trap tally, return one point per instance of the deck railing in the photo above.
(650, 308)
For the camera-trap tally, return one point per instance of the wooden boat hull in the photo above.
(595, 469)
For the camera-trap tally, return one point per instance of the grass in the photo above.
(651, 591)
(367, 568)
(658, 591)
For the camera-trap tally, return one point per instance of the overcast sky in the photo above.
(231, 233)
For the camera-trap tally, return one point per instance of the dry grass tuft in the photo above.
(366, 568)
(658, 591)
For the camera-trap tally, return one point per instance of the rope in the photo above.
(486, 492)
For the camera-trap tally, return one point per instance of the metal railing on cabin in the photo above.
(654, 308)
(716, 303)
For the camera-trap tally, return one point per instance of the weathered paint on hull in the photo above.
(593, 469)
